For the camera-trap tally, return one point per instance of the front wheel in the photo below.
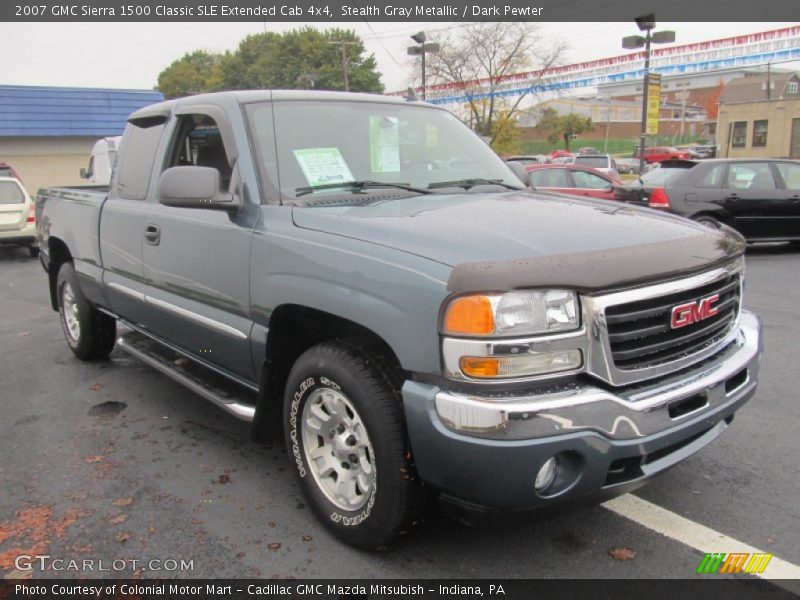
(346, 435)
(708, 221)
(90, 333)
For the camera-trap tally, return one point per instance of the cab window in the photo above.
(198, 142)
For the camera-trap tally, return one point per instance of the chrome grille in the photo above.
(640, 333)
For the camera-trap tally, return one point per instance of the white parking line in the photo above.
(699, 537)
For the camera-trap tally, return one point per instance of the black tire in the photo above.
(96, 333)
(33, 251)
(370, 387)
(707, 221)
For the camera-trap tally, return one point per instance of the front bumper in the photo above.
(487, 450)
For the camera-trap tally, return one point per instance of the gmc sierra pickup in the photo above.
(365, 274)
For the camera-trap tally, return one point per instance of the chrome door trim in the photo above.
(127, 291)
(200, 319)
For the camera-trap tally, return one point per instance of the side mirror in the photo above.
(609, 188)
(83, 173)
(195, 187)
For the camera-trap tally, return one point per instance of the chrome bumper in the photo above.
(625, 413)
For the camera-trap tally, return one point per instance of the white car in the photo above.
(101, 161)
(17, 216)
(602, 162)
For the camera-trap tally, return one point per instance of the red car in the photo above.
(658, 153)
(560, 153)
(574, 180)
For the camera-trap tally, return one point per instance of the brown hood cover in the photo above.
(602, 270)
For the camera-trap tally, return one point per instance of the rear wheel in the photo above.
(90, 333)
(33, 251)
(346, 434)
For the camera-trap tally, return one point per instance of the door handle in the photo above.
(152, 234)
(733, 196)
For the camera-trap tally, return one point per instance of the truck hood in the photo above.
(520, 239)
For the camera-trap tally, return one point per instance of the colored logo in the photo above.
(734, 562)
(692, 312)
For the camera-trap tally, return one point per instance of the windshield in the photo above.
(317, 149)
(10, 193)
(592, 161)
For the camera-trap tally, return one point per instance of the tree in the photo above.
(555, 126)
(296, 58)
(488, 52)
(195, 72)
(505, 135)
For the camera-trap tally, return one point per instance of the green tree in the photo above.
(299, 59)
(505, 134)
(555, 126)
(195, 72)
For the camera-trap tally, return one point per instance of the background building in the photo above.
(47, 133)
(760, 117)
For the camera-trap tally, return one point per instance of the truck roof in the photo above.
(246, 96)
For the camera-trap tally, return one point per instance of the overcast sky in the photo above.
(131, 55)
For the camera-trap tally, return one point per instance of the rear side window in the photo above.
(589, 181)
(10, 193)
(549, 178)
(712, 179)
(791, 175)
(137, 160)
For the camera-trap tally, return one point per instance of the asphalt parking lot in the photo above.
(111, 460)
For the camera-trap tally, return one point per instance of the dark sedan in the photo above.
(760, 198)
(638, 191)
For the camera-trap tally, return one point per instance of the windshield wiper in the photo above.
(357, 186)
(469, 183)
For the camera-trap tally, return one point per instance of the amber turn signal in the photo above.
(469, 315)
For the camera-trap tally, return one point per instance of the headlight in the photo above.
(515, 313)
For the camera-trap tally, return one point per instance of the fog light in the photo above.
(546, 475)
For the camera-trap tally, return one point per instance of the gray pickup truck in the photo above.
(366, 275)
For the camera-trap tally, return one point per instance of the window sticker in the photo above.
(384, 144)
(323, 166)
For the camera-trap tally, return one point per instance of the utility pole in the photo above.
(421, 49)
(343, 45)
(684, 94)
(608, 125)
(769, 80)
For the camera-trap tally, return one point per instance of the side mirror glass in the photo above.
(195, 187)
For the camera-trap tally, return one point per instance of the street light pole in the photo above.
(646, 23)
(645, 93)
(421, 50)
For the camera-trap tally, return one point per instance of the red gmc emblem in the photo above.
(692, 312)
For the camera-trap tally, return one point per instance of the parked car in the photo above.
(588, 150)
(627, 165)
(366, 275)
(638, 191)
(101, 161)
(563, 160)
(760, 198)
(703, 151)
(559, 154)
(656, 154)
(17, 216)
(529, 159)
(575, 180)
(602, 162)
(7, 170)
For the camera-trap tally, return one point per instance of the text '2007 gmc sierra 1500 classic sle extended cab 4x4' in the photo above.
(365, 274)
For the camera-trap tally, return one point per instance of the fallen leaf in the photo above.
(307, 538)
(123, 536)
(274, 545)
(300, 505)
(240, 554)
(622, 553)
(94, 387)
(123, 502)
(96, 458)
(117, 520)
(25, 334)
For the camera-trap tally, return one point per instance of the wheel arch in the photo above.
(293, 329)
(58, 253)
